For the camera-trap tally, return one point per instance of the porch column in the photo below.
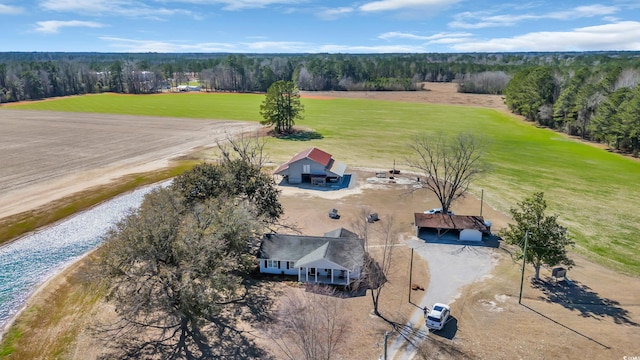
(306, 274)
(332, 276)
(299, 272)
(316, 275)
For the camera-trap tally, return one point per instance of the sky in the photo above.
(318, 26)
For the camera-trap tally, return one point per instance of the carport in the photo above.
(467, 228)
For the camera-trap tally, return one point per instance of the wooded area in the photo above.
(598, 103)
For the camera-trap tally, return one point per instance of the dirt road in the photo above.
(49, 155)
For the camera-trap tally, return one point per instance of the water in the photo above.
(31, 260)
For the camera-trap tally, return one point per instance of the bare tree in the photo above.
(311, 325)
(629, 78)
(250, 149)
(448, 164)
(376, 268)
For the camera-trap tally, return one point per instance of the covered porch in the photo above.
(323, 276)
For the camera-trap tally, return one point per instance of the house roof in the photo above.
(347, 252)
(313, 153)
(341, 232)
(453, 222)
(337, 167)
(317, 254)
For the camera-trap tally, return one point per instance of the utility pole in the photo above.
(410, 275)
(524, 262)
(481, 201)
(386, 336)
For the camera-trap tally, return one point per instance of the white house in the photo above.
(469, 228)
(312, 166)
(187, 88)
(335, 258)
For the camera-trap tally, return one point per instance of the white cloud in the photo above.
(54, 26)
(584, 11)
(438, 36)
(10, 10)
(332, 14)
(276, 46)
(243, 4)
(391, 5)
(616, 36)
(132, 45)
(128, 8)
(484, 19)
(369, 49)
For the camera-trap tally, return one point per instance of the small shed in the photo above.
(469, 228)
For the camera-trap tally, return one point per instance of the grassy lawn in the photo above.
(593, 191)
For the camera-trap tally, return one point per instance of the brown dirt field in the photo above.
(59, 154)
(433, 93)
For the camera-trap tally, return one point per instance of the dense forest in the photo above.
(592, 95)
(597, 103)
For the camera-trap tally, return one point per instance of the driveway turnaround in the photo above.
(451, 267)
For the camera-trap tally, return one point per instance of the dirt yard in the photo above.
(596, 317)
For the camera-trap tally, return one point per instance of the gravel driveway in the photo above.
(452, 266)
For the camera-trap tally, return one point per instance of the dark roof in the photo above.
(454, 222)
(341, 232)
(347, 252)
(313, 153)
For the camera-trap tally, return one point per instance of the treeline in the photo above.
(592, 95)
(30, 76)
(598, 103)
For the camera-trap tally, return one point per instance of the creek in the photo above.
(29, 261)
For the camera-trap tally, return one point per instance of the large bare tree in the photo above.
(249, 149)
(448, 164)
(379, 241)
(311, 325)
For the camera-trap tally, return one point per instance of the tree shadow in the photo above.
(576, 296)
(259, 301)
(160, 336)
(566, 327)
(411, 335)
(301, 135)
(217, 340)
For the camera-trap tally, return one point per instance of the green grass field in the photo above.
(593, 191)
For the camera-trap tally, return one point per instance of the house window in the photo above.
(272, 264)
(290, 264)
(306, 169)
